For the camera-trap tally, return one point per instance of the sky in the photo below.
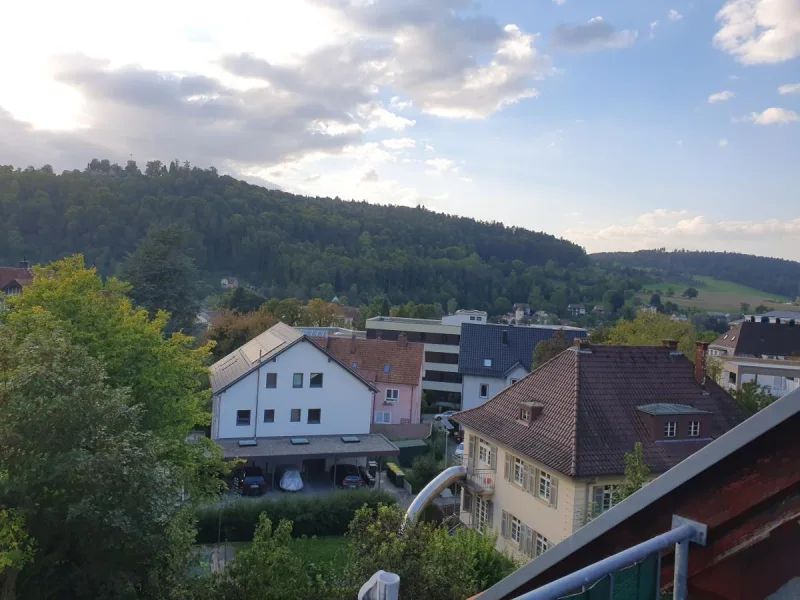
(618, 125)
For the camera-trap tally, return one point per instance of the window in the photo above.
(487, 362)
(604, 497)
(516, 530)
(295, 418)
(272, 380)
(481, 513)
(315, 380)
(269, 415)
(694, 429)
(392, 395)
(732, 378)
(242, 417)
(524, 414)
(519, 471)
(383, 417)
(542, 544)
(479, 318)
(484, 390)
(297, 380)
(513, 381)
(472, 318)
(544, 485)
(670, 427)
(485, 452)
(314, 416)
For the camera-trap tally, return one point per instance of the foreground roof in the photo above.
(382, 361)
(504, 346)
(368, 444)
(659, 500)
(590, 417)
(758, 339)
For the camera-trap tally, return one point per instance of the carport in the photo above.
(313, 454)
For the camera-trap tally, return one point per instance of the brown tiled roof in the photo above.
(22, 276)
(729, 339)
(757, 339)
(590, 420)
(372, 356)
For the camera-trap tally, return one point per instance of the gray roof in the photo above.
(781, 314)
(242, 361)
(406, 320)
(481, 342)
(665, 408)
(369, 444)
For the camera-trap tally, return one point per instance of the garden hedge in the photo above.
(395, 474)
(311, 514)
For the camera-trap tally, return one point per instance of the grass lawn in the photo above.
(332, 550)
(717, 295)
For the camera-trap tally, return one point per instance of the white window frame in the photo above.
(481, 513)
(524, 414)
(515, 529)
(519, 471)
(694, 428)
(670, 429)
(392, 395)
(608, 497)
(382, 416)
(485, 452)
(481, 392)
(542, 545)
(545, 488)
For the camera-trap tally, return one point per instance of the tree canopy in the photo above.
(549, 349)
(650, 329)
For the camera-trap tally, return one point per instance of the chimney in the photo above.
(792, 322)
(353, 344)
(700, 363)
(765, 319)
(505, 336)
(24, 263)
(671, 344)
(402, 340)
(582, 343)
(753, 319)
(777, 320)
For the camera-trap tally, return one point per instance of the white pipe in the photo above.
(433, 489)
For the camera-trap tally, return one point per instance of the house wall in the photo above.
(406, 409)
(471, 387)
(345, 401)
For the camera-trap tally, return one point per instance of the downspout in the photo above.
(258, 390)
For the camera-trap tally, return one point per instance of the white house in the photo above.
(282, 398)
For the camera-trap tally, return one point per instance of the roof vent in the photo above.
(244, 443)
(778, 320)
(350, 439)
(765, 319)
(299, 441)
(792, 322)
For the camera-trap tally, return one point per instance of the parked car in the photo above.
(250, 481)
(346, 476)
(445, 415)
(290, 479)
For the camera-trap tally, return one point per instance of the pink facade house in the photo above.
(395, 368)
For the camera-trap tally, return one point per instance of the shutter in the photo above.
(553, 491)
(525, 475)
(534, 484)
(489, 515)
(507, 472)
(471, 459)
(467, 502)
(504, 525)
(493, 462)
(597, 501)
(527, 540)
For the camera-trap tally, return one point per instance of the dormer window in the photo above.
(673, 422)
(529, 412)
(670, 428)
(525, 414)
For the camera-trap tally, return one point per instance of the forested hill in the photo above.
(774, 275)
(283, 244)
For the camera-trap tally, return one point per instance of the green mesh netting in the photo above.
(637, 582)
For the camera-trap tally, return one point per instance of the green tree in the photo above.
(16, 549)
(637, 473)
(241, 300)
(549, 349)
(232, 330)
(744, 307)
(320, 313)
(670, 292)
(289, 311)
(97, 500)
(163, 275)
(501, 306)
(761, 309)
(452, 306)
(423, 470)
(650, 329)
(690, 292)
(753, 397)
(166, 378)
(655, 300)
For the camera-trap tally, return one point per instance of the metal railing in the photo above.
(480, 481)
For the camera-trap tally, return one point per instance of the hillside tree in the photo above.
(690, 292)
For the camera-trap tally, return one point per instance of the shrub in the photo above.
(310, 515)
(423, 470)
(395, 474)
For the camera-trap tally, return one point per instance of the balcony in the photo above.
(480, 482)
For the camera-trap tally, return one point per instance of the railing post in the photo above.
(681, 570)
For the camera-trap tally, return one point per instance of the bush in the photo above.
(310, 515)
(423, 470)
(395, 474)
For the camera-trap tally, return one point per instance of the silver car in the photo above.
(291, 481)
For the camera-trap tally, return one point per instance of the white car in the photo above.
(291, 481)
(445, 415)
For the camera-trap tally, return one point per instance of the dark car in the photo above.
(250, 481)
(346, 476)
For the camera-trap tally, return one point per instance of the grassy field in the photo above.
(717, 295)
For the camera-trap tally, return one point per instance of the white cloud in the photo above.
(466, 179)
(378, 117)
(429, 148)
(399, 143)
(560, 2)
(440, 165)
(759, 31)
(653, 26)
(792, 88)
(369, 176)
(674, 15)
(596, 34)
(733, 77)
(773, 116)
(396, 103)
(721, 97)
(723, 143)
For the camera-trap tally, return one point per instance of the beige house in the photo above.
(548, 451)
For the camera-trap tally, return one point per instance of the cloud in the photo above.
(733, 77)
(773, 116)
(429, 148)
(720, 97)
(679, 142)
(759, 31)
(560, 2)
(723, 143)
(398, 104)
(370, 176)
(653, 26)
(378, 117)
(399, 143)
(674, 15)
(597, 34)
(440, 165)
(792, 88)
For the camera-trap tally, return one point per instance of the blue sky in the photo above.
(620, 125)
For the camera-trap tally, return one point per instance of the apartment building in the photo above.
(759, 339)
(778, 377)
(549, 452)
(441, 338)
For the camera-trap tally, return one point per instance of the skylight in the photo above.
(487, 362)
(350, 439)
(298, 441)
